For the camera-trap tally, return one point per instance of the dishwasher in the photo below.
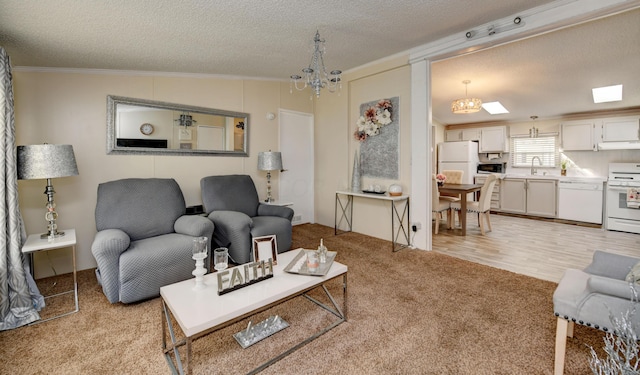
(580, 200)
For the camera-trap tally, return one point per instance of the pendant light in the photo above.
(466, 104)
(533, 132)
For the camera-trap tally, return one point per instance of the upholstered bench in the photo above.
(592, 296)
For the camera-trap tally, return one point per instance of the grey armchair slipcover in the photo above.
(231, 201)
(592, 296)
(144, 238)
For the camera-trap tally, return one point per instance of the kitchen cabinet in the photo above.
(462, 135)
(542, 197)
(621, 129)
(537, 197)
(495, 195)
(579, 136)
(514, 195)
(494, 139)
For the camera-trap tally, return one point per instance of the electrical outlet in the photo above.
(415, 226)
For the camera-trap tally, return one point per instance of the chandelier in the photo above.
(466, 104)
(315, 75)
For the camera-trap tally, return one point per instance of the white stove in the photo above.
(623, 213)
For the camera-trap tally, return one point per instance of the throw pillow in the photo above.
(634, 275)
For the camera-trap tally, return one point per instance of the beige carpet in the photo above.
(410, 312)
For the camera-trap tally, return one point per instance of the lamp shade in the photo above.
(46, 161)
(269, 161)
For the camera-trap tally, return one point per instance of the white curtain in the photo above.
(17, 304)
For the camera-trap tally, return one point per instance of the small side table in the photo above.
(34, 243)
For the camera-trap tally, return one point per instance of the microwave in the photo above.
(492, 168)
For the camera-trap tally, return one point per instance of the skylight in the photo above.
(607, 94)
(494, 108)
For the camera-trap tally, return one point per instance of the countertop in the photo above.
(550, 177)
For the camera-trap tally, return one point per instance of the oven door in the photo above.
(617, 204)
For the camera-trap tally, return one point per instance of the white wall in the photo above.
(335, 117)
(61, 107)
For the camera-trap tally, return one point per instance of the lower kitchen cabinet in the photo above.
(514, 195)
(536, 197)
(542, 197)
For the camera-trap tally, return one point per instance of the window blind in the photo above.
(524, 149)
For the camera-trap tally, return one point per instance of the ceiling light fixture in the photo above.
(466, 104)
(607, 94)
(315, 75)
(495, 28)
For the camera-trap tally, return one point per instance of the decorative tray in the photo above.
(299, 264)
(373, 192)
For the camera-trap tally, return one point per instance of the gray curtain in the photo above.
(18, 303)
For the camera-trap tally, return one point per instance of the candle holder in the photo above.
(199, 255)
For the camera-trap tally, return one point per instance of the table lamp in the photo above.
(47, 161)
(269, 161)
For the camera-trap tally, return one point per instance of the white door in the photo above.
(296, 146)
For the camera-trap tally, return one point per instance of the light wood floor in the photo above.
(537, 248)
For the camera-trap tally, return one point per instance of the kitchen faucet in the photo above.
(534, 170)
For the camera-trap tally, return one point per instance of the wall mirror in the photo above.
(139, 126)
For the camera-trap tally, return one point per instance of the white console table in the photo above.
(346, 207)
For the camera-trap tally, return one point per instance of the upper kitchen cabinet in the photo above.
(579, 136)
(462, 135)
(621, 129)
(494, 139)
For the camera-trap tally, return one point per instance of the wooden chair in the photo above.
(483, 205)
(438, 206)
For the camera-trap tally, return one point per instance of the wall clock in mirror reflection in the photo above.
(146, 128)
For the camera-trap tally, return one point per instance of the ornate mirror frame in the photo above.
(182, 129)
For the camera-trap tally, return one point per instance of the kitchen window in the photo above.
(523, 149)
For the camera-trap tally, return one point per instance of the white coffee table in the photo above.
(200, 312)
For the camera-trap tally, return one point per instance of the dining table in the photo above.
(461, 191)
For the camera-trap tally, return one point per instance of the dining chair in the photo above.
(453, 176)
(483, 206)
(439, 205)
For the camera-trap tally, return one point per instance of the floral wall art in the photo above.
(378, 131)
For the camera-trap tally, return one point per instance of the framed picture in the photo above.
(185, 134)
(265, 247)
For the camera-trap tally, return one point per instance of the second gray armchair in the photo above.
(231, 202)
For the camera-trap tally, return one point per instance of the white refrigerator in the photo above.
(462, 156)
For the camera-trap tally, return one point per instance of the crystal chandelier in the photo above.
(466, 104)
(315, 75)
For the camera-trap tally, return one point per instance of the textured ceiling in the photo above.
(272, 39)
(546, 76)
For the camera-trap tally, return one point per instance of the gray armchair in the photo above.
(590, 297)
(144, 238)
(232, 204)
